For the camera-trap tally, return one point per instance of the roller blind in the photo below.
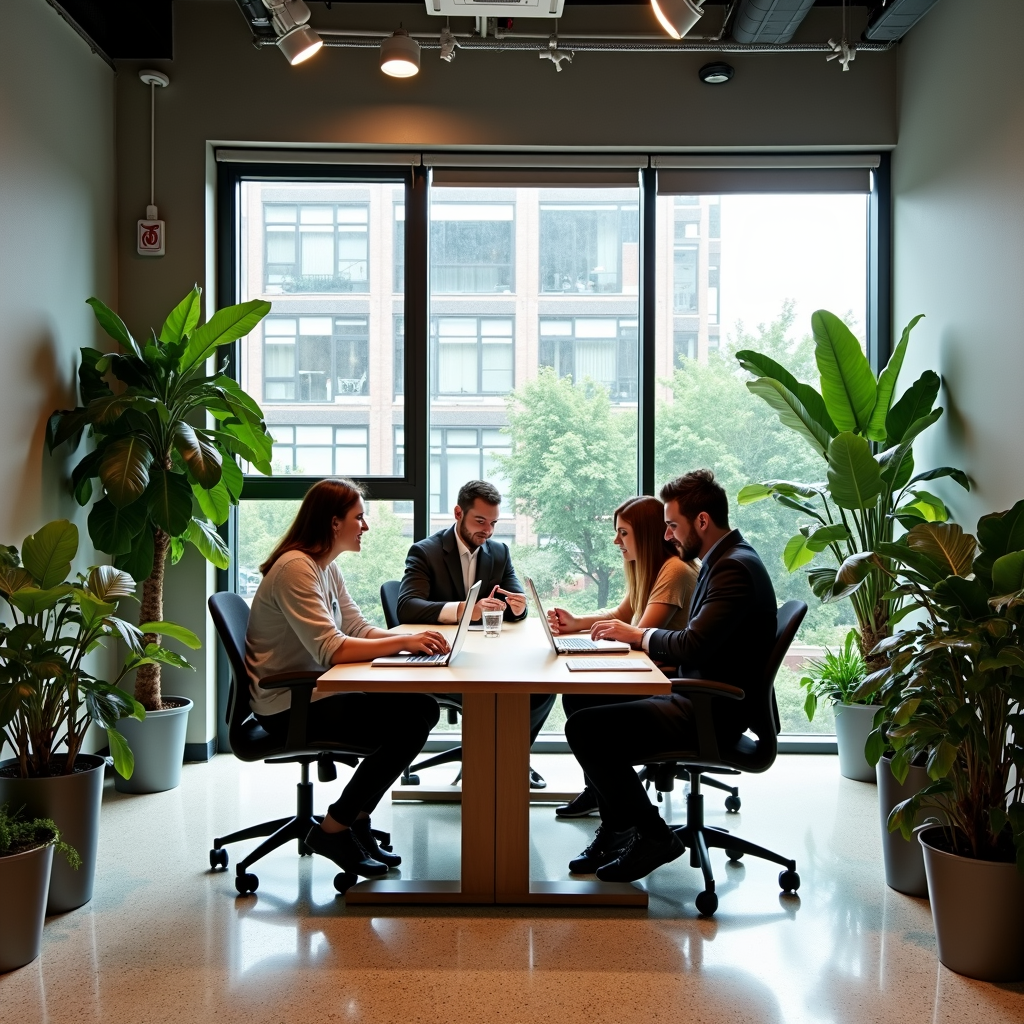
(332, 157)
(529, 170)
(711, 175)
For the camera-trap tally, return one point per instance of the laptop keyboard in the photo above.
(576, 644)
(424, 659)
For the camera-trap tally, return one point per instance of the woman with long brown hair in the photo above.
(659, 585)
(302, 618)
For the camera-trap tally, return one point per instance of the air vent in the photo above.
(496, 8)
(896, 20)
(769, 21)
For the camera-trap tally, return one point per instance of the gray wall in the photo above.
(958, 179)
(56, 249)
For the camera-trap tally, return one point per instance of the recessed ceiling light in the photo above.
(400, 55)
(716, 73)
(677, 17)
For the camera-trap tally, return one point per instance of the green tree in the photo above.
(572, 462)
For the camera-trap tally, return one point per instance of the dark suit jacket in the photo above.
(433, 577)
(731, 631)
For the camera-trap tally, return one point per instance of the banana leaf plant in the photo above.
(165, 478)
(866, 442)
(953, 690)
(48, 697)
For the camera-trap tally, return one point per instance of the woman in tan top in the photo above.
(302, 618)
(659, 585)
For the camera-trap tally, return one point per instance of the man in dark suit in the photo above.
(440, 571)
(729, 638)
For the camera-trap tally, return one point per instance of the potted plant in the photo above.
(866, 492)
(166, 478)
(26, 856)
(49, 694)
(954, 691)
(837, 678)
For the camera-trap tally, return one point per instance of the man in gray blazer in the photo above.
(440, 570)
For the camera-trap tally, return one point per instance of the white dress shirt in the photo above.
(450, 612)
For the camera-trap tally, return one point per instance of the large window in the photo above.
(602, 350)
(471, 247)
(315, 359)
(589, 247)
(315, 450)
(316, 247)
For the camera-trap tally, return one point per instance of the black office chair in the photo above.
(389, 602)
(251, 742)
(747, 754)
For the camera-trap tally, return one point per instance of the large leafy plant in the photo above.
(954, 688)
(48, 697)
(865, 440)
(166, 479)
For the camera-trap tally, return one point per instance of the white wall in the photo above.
(958, 184)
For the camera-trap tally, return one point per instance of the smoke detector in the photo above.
(496, 8)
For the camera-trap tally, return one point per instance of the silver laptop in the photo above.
(574, 644)
(438, 659)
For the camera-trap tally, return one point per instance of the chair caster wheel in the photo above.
(733, 804)
(789, 881)
(410, 780)
(246, 883)
(707, 903)
(734, 855)
(218, 859)
(343, 881)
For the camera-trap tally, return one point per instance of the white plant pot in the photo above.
(853, 724)
(158, 743)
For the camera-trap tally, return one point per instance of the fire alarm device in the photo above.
(152, 234)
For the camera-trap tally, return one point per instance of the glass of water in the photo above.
(492, 623)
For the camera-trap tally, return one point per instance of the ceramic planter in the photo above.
(904, 861)
(978, 911)
(158, 743)
(73, 802)
(24, 883)
(853, 723)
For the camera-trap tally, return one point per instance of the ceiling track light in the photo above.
(400, 55)
(295, 39)
(716, 73)
(677, 17)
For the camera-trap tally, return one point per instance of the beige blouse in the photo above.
(300, 616)
(673, 586)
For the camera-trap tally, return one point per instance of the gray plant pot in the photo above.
(73, 802)
(24, 882)
(904, 861)
(978, 912)
(158, 743)
(853, 723)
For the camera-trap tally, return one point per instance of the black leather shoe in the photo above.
(346, 851)
(537, 781)
(640, 857)
(580, 807)
(604, 849)
(368, 841)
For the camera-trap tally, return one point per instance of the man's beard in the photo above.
(466, 539)
(689, 549)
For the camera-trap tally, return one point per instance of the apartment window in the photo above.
(589, 247)
(713, 260)
(684, 346)
(398, 373)
(472, 355)
(316, 247)
(471, 248)
(599, 349)
(398, 246)
(320, 450)
(461, 453)
(684, 279)
(715, 220)
(315, 359)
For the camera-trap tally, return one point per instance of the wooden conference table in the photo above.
(496, 678)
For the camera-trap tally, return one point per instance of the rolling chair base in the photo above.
(699, 838)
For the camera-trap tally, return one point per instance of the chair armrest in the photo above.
(708, 686)
(291, 679)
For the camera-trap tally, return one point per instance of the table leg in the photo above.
(512, 798)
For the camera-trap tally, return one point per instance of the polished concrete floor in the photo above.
(165, 940)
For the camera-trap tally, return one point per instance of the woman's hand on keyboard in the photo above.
(427, 642)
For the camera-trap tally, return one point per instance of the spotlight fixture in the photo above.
(447, 45)
(295, 39)
(677, 17)
(400, 55)
(716, 73)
